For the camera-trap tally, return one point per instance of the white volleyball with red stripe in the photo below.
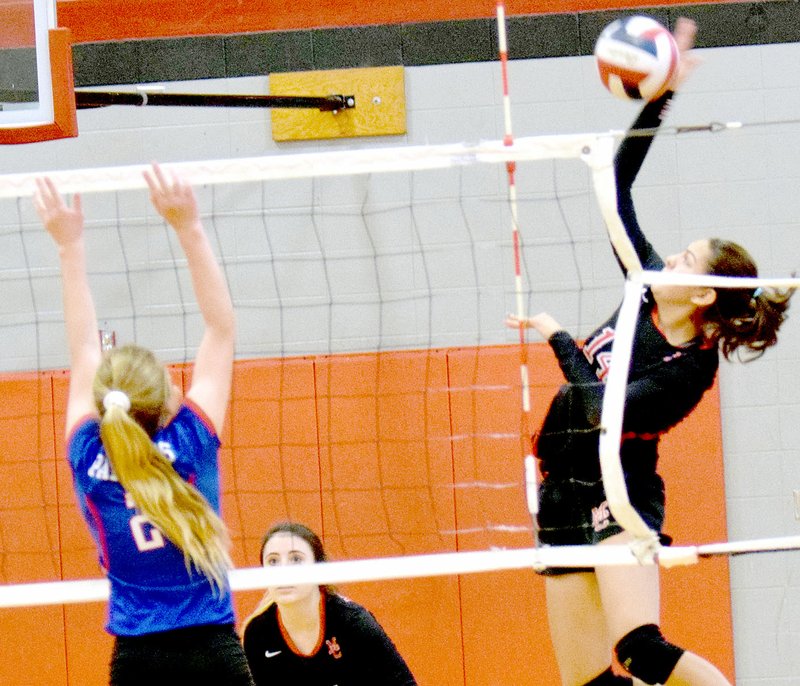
(636, 58)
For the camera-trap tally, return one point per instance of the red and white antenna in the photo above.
(531, 480)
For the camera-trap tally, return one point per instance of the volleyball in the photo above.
(636, 58)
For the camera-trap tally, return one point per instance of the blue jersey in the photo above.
(151, 589)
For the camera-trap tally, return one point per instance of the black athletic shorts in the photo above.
(575, 512)
(208, 654)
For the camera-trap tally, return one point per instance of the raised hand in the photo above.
(172, 197)
(684, 34)
(63, 223)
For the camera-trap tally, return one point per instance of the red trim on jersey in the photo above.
(101, 532)
(80, 423)
(707, 343)
(201, 413)
(644, 436)
(656, 320)
(320, 638)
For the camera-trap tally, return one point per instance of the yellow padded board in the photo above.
(380, 103)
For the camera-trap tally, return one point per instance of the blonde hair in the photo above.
(172, 504)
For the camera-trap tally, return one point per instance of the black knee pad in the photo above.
(608, 678)
(647, 655)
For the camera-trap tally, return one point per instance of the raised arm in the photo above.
(634, 148)
(210, 389)
(65, 225)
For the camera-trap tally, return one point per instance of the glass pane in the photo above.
(25, 88)
(18, 78)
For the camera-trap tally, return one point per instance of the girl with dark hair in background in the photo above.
(311, 635)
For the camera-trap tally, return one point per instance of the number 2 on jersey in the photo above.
(144, 532)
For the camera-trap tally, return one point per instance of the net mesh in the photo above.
(376, 394)
(375, 398)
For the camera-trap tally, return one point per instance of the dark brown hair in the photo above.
(304, 533)
(742, 317)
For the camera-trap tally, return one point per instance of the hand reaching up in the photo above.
(173, 198)
(63, 223)
(684, 34)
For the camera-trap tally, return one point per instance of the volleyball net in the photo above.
(376, 393)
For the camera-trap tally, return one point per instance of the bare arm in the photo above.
(174, 200)
(543, 323)
(65, 225)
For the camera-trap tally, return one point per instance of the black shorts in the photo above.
(210, 654)
(575, 512)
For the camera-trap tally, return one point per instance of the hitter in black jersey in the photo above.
(311, 635)
(679, 334)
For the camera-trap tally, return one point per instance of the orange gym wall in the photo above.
(100, 20)
(376, 452)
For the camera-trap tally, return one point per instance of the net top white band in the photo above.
(333, 163)
(675, 279)
(411, 566)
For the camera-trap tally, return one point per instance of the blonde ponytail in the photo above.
(172, 504)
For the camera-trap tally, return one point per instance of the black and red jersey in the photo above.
(353, 650)
(665, 382)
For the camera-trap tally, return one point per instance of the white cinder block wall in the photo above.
(743, 185)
